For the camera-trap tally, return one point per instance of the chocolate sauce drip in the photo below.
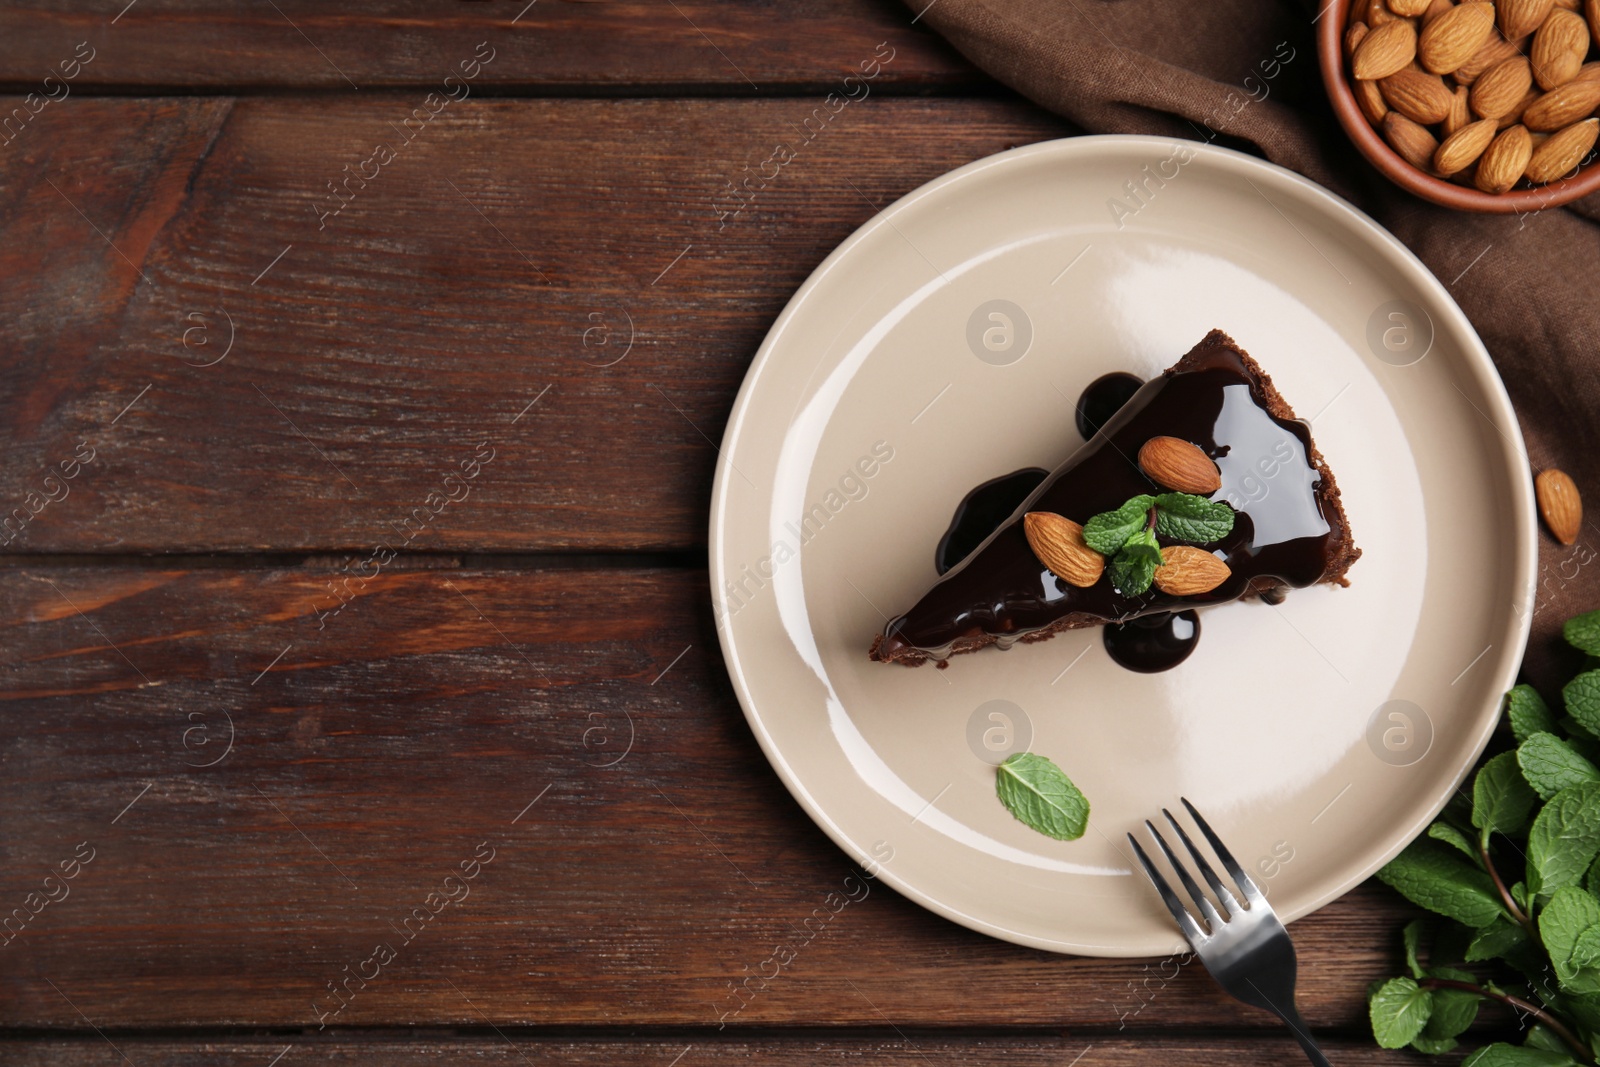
(982, 511)
(1283, 529)
(1153, 643)
(1104, 398)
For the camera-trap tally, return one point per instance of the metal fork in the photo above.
(1247, 950)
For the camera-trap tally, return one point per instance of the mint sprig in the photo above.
(1041, 795)
(1127, 536)
(1535, 942)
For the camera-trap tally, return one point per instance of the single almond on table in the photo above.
(1559, 503)
(1059, 544)
(1518, 18)
(1559, 48)
(1411, 141)
(1455, 36)
(1370, 99)
(1460, 111)
(1458, 151)
(1387, 49)
(1495, 50)
(1562, 106)
(1176, 464)
(1189, 571)
(1502, 163)
(1352, 37)
(1562, 153)
(1500, 87)
(1419, 97)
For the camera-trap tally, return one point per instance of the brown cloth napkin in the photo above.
(1531, 285)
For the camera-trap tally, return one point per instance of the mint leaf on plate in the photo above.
(1399, 1010)
(1133, 568)
(1528, 713)
(1186, 517)
(1550, 765)
(1108, 531)
(1040, 794)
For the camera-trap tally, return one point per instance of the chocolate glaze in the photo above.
(1104, 397)
(1153, 643)
(1282, 534)
(982, 511)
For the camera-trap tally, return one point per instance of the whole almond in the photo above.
(1176, 464)
(1059, 544)
(1591, 14)
(1559, 503)
(1562, 153)
(1388, 48)
(1352, 37)
(1518, 18)
(1370, 99)
(1419, 97)
(1496, 50)
(1458, 151)
(1435, 9)
(1499, 88)
(1502, 163)
(1460, 111)
(1588, 72)
(1412, 142)
(1409, 9)
(1378, 14)
(1562, 106)
(1455, 36)
(1559, 48)
(1189, 571)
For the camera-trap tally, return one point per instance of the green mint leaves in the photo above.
(1534, 812)
(1040, 795)
(1127, 536)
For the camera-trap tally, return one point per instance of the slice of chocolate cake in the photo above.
(1157, 544)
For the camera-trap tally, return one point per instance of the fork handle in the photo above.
(1302, 1034)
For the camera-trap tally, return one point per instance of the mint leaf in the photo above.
(1583, 632)
(1528, 713)
(1412, 936)
(1586, 949)
(1443, 831)
(1543, 1037)
(1429, 875)
(1591, 881)
(1108, 531)
(1550, 765)
(1501, 1054)
(1186, 517)
(1582, 697)
(1565, 838)
(1431, 1045)
(1501, 798)
(1499, 939)
(1133, 568)
(1570, 913)
(1040, 794)
(1399, 1010)
(1453, 1009)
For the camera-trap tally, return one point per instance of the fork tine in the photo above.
(1186, 923)
(1206, 870)
(1196, 894)
(1251, 892)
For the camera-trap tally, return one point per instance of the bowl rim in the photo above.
(1330, 54)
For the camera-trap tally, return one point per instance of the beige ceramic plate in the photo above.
(945, 343)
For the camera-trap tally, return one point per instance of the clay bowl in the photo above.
(1330, 33)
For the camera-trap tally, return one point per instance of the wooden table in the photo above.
(363, 378)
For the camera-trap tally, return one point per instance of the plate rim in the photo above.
(1476, 360)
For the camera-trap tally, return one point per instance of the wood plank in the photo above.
(229, 886)
(696, 1050)
(374, 349)
(738, 45)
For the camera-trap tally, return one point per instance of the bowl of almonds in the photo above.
(1478, 106)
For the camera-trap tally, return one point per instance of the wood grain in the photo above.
(743, 46)
(495, 263)
(696, 1050)
(370, 758)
